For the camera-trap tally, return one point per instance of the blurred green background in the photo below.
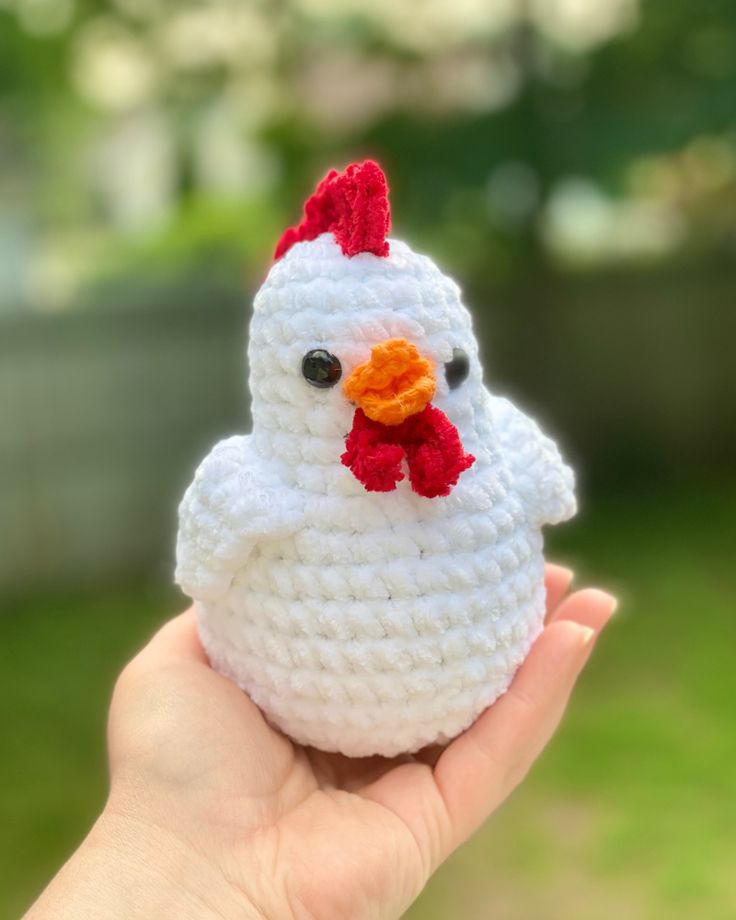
(573, 164)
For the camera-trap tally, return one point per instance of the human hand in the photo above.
(213, 813)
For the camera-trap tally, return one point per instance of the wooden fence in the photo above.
(103, 416)
(105, 412)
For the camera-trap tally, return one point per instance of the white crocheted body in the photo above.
(388, 622)
(366, 622)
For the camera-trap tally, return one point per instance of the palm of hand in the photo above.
(296, 832)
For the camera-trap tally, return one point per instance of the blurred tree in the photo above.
(548, 152)
(123, 113)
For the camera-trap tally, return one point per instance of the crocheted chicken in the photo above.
(367, 564)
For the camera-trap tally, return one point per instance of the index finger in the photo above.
(480, 768)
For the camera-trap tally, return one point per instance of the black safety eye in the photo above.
(457, 370)
(320, 368)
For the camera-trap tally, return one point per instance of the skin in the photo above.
(213, 814)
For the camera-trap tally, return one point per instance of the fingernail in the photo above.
(611, 601)
(568, 572)
(576, 636)
(608, 604)
(587, 635)
(581, 640)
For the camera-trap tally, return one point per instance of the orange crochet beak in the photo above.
(395, 383)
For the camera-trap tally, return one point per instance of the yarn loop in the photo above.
(429, 442)
(395, 383)
(352, 205)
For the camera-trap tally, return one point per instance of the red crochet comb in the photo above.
(353, 205)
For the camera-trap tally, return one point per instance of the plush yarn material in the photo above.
(428, 441)
(360, 614)
(394, 384)
(352, 205)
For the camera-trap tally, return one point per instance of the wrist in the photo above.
(128, 869)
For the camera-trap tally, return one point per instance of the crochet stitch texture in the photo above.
(367, 622)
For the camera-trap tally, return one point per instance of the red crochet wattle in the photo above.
(353, 205)
(429, 442)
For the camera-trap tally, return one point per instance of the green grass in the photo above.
(630, 813)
